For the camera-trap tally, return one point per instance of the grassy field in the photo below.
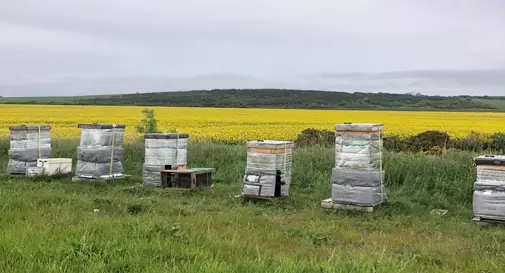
(60, 226)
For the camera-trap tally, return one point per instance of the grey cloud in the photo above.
(49, 41)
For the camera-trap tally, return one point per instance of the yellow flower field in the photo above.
(244, 124)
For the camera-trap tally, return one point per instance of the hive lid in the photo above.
(166, 135)
(270, 144)
(29, 127)
(360, 127)
(495, 160)
(100, 126)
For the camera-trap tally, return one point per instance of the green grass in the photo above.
(50, 225)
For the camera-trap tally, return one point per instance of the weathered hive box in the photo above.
(268, 169)
(489, 188)
(51, 166)
(100, 154)
(163, 151)
(357, 178)
(27, 144)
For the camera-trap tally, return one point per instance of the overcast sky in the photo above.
(60, 40)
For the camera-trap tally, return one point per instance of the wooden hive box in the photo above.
(187, 178)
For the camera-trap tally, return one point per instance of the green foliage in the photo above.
(429, 142)
(498, 142)
(52, 225)
(281, 98)
(148, 124)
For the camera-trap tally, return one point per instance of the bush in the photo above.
(428, 140)
(498, 142)
(148, 124)
(312, 136)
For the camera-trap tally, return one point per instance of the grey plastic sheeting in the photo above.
(14, 166)
(29, 154)
(489, 204)
(151, 175)
(100, 154)
(368, 196)
(84, 168)
(356, 178)
(102, 137)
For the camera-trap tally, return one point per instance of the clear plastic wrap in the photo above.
(27, 144)
(357, 177)
(163, 149)
(264, 158)
(99, 149)
(151, 175)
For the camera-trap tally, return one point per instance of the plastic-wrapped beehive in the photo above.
(268, 166)
(163, 151)
(27, 144)
(489, 188)
(357, 178)
(100, 154)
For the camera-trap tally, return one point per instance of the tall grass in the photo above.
(54, 225)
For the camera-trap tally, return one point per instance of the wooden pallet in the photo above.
(98, 179)
(328, 204)
(16, 173)
(257, 197)
(486, 221)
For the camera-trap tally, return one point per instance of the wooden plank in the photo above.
(269, 150)
(328, 204)
(97, 179)
(492, 167)
(487, 221)
(188, 171)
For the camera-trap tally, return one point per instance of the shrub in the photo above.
(312, 136)
(498, 142)
(148, 124)
(427, 140)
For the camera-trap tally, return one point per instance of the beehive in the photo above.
(489, 188)
(357, 178)
(163, 151)
(100, 154)
(27, 144)
(267, 159)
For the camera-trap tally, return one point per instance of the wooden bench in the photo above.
(187, 178)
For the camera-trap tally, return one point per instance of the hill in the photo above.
(280, 98)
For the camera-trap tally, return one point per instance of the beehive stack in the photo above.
(489, 188)
(100, 154)
(357, 176)
(264, 159)
(27, 144)
(163, 150)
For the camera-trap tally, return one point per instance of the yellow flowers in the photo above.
(244, 124)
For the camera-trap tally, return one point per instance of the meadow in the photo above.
(54, 225)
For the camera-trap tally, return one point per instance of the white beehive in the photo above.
(163, 150)
(264, 159)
